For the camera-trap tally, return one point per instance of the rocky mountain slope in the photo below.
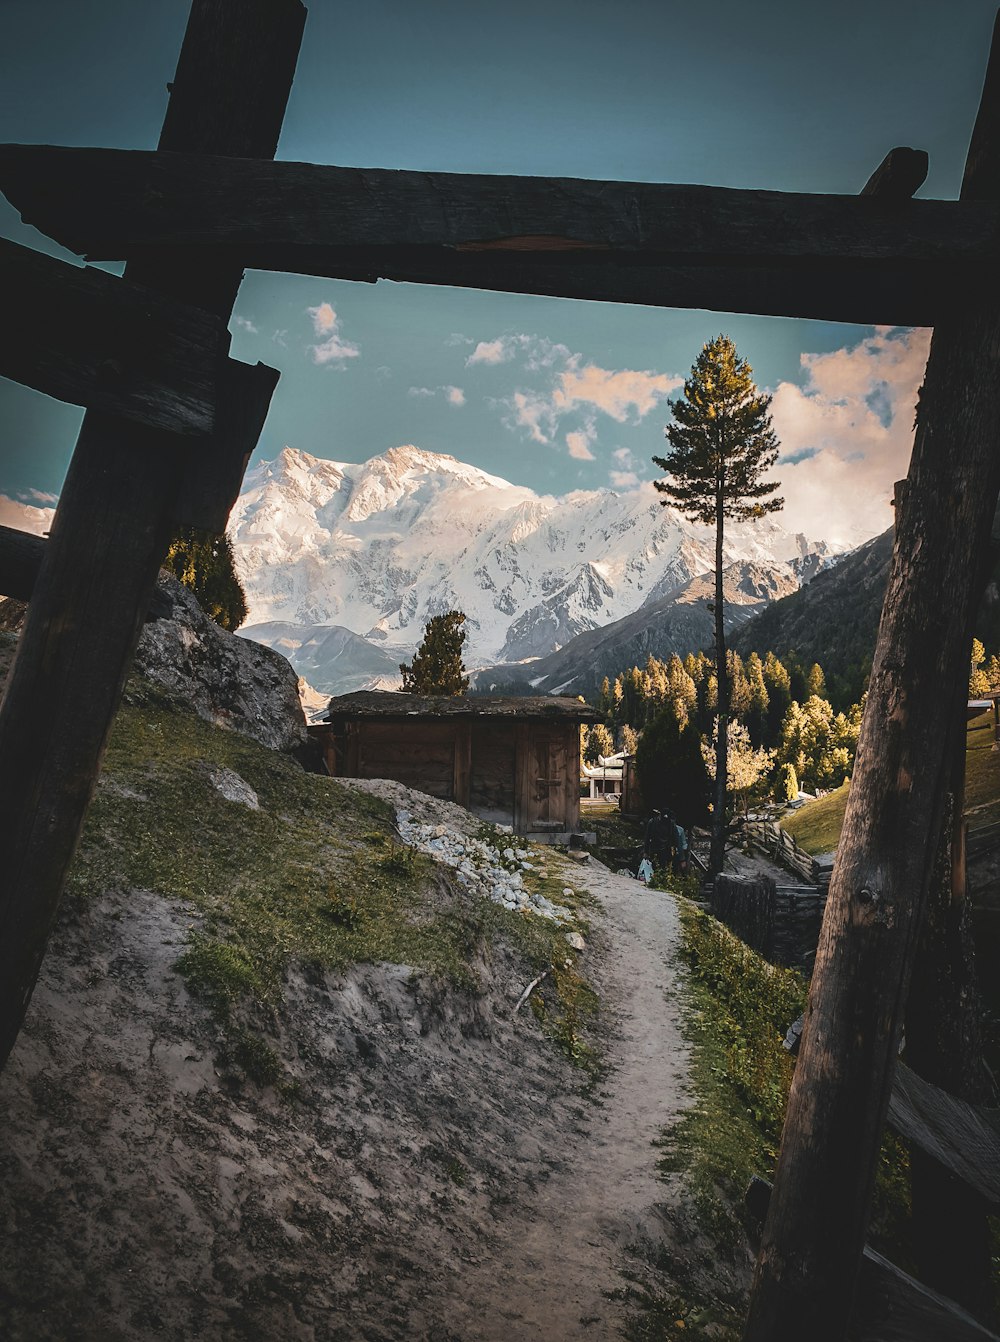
(833, 620)
(681, 621)
(329, 549)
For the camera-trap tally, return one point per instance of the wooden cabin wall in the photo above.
(491, 793)
(419, 755)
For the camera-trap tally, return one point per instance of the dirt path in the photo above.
(554, 1261)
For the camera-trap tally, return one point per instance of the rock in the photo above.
(227, 680)
(574, 940)
(234, 788)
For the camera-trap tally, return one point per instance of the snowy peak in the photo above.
(376, 548)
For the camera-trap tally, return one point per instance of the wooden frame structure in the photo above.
(880, 258)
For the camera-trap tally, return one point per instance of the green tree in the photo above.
(779, 695)
(815, 681)
(756, 715)
(746, 768)
(203, 562)
(671, 770)
(979, 681)
(599, 742)
(437, 664)
(721, 443)
(629, 740)
(789, 782)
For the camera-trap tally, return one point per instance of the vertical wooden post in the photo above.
(814, 1235)
(115, 516)
(462, 781)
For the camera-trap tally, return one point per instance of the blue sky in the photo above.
(550, 393)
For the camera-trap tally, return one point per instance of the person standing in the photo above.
(658, 845)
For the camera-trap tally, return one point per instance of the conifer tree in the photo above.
(599, 742)
(203, 562)
(437, 664)
(721, 444)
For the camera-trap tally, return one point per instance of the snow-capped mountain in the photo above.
(379, 547)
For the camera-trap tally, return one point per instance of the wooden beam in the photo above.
(20, 560)
(114, 346)
(962, 1137)
(857, 258)
(899, 176)
(814, 1235)
(892, 1305)
(212, 479)
(115, 516)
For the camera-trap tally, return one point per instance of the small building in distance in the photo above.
(603, 780)
(514, 761)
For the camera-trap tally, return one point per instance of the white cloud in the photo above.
(846, 435)
(334, 347)
(571, 395)
(537, 351)
(490, 351)
(623, 456)
(453, 395)
(579, 446)
(245, 324)
(617, 394)
(623, 479)
(532, 413)
(24, 516)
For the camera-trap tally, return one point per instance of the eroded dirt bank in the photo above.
(429, 1166)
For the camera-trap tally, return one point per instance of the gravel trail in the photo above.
(554, 1260)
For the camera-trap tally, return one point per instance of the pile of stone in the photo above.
(482, 867)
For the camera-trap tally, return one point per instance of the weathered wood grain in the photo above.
(814, 1235)
(20, 560)
(113, 203)
(748, 908)
(213, 476)
(846, 258)
(115, 517)
(116, 346)
(900, 174)
(892, 1306)
(962, 1137)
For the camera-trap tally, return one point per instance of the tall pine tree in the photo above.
(721, 443)
(437, 664)
(203, 562)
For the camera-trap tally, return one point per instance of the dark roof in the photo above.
(395, 704)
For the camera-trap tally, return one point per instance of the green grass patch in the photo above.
(317, 876)
(982, 774)
(737, 1009)
(816, 826)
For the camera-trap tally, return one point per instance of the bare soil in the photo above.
(429, 1166)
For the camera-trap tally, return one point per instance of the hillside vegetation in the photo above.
(816, 826)
(271, 1066)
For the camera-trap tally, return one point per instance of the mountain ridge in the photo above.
(379, 547)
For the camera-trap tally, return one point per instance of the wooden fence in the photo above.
(778, 844)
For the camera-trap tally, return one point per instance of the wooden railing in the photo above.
(778, 844)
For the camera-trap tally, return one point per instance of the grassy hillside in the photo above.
(816, 826)
(314, 877)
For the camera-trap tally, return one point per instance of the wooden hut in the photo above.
(513, 761)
